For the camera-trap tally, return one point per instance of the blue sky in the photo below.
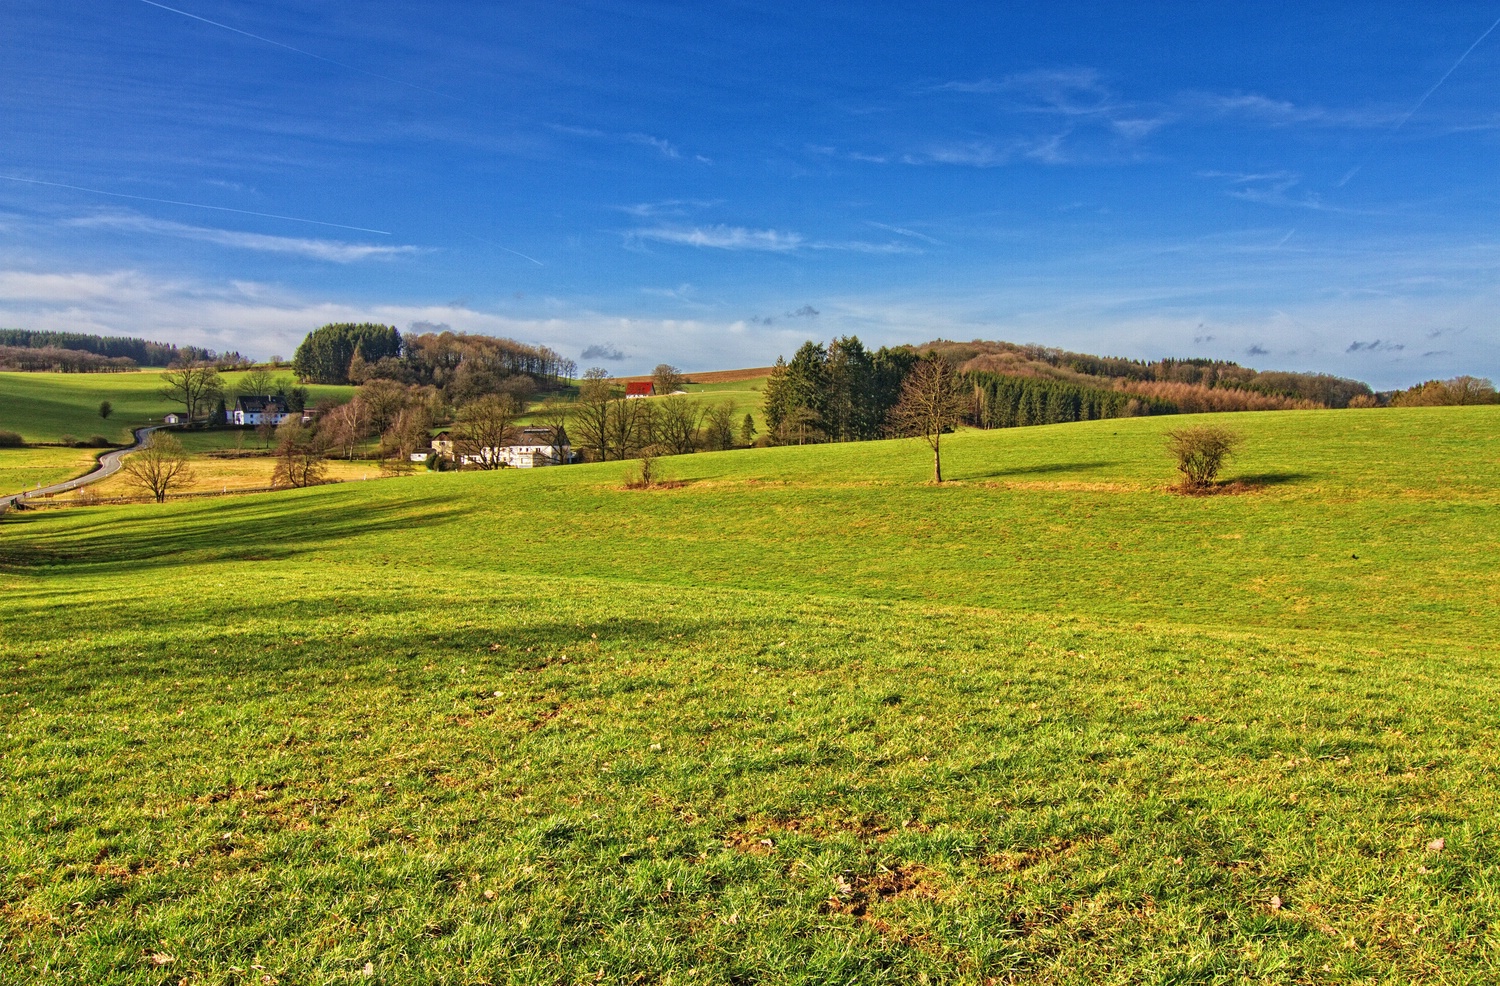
(1311, 187)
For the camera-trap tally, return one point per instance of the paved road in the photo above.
(109, 464)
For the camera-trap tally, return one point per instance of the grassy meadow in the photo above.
(26, 468)
(43, 407)
(799, 717)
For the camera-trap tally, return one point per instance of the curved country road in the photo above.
(109, 464)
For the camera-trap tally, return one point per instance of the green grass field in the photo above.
(801, 718)
(26, 468)
(43, 407)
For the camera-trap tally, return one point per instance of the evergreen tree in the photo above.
(324, 356)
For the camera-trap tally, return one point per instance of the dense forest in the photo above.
(1011, 359)
(324, 356)
(1000, 401)
(77, 352)
(462, 367)
(1438, 393)
(842, 392)
(56, 360)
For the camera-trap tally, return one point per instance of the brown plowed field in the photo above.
(714, 376)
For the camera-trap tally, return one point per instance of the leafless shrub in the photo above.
(1200, 451)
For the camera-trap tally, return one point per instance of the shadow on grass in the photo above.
(1272, 478)
(1041, 470)
(247, 529)
(237, 637)
(1240, 484)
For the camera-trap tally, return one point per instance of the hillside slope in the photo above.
(800, 718)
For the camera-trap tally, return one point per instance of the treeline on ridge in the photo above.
(842, 392)
(462, 366)
(1135, 376)
(78, 352)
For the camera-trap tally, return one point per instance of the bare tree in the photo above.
(677, 422)
(553, 415)
(667, 379)
(384, 402)
(596, 401)
(1470, 390)
(930, 405)
(483, 428)
(159, 467)
(411, 430)
(254, 383)
(300, 456)
(718, 427)
(632, 426)
(1200, 451)
(193, 385)
(646, 473)
(346, 426)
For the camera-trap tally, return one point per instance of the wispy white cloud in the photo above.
(903, 231)
(1047, 149)
(334, 251)
(262, 319)
(1211, 302)
(722, 237)
(1273, 188)
(665, 208)
(1280, 112)
(825, 150)
(661, 145)
(1063, 116)
(1069, 91)
(864, 246)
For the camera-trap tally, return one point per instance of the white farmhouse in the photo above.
(526, 449)
(259, 410)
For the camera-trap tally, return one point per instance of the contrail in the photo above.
(330, 61)
(1287, 237)
(194, 205)
(522, 255)
(505, 248)
(1425, 96)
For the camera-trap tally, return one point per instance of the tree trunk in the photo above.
(937, 465)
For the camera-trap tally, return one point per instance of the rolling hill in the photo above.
(798, 717)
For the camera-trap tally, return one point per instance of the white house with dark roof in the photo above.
(528, 448)
(259, 410)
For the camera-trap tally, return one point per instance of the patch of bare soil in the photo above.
(859, 892)
(762, 836)
(1236, 488)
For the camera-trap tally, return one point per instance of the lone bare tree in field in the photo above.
(1200, 451)
(930, 404)
(159, 467)
(193, 385)
(667, 379)
(300, 456)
